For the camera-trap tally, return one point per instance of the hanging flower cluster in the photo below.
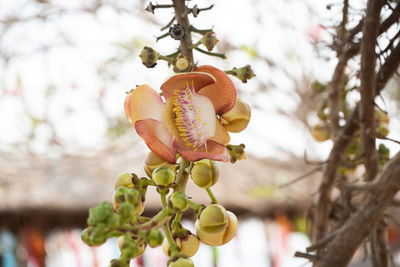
(186, 126)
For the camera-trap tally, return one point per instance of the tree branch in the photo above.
(341, 142)
(367, 88)
(340, 250)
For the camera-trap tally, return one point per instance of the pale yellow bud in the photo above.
(213, 219)
(205, 173)
(152, 162)
(221, 238)
(188, 245)
(237, 119)
(182, 262)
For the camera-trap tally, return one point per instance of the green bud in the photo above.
(205, 173)
(152, 162)
(209, 40)
(125, 180)
(383, 129)
(100, 213)
(384, 154)
(125, 211)
(113, 221)
(213, 219)
(155, 237)
(244, 73)
(149, 56)
(98, 237)
(181, 262)
(86, 235)
(236, 152)
(163, 176)
(133, 196)
(120, 194)
(179, 201)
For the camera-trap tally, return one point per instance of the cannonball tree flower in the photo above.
(187, 121)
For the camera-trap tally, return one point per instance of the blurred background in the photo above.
(64, 69)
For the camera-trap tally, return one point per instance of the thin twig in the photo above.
(301, 177)
(307, 256)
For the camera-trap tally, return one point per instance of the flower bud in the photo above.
(213, 219)
(124, 179)
(320, 132)
(100, 213)
(209, 40)
(237, 119)
(177, 32)
(221, 238)
(236, 152)
(178, 201)
(126, 243)
(244, 73)
(163, 176)
(138, 207)
(383, 129)
(98, 239)
(188, 245)
(86, 235)
(155, 237)
(181, 262)
(182, 64)
(205, 173)
(152, 162)
(381, 116)
(149, 56)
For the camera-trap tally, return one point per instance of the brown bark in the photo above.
(341, 249)
(342, 140)
(367, 88)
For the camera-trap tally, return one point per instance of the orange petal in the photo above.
(143, 103)
(215, 151)
(157, 138)
(222, 93)
(221, 134)
(196, 79)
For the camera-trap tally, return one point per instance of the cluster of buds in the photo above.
(123, 218)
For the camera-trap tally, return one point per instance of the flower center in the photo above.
(195, 117)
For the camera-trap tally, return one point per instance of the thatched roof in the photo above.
(79, 182)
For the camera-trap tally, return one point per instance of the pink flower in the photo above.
(187, 121)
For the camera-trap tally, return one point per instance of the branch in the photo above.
(181, 9)
(343, 139)
(340, 250)
(367, 87)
